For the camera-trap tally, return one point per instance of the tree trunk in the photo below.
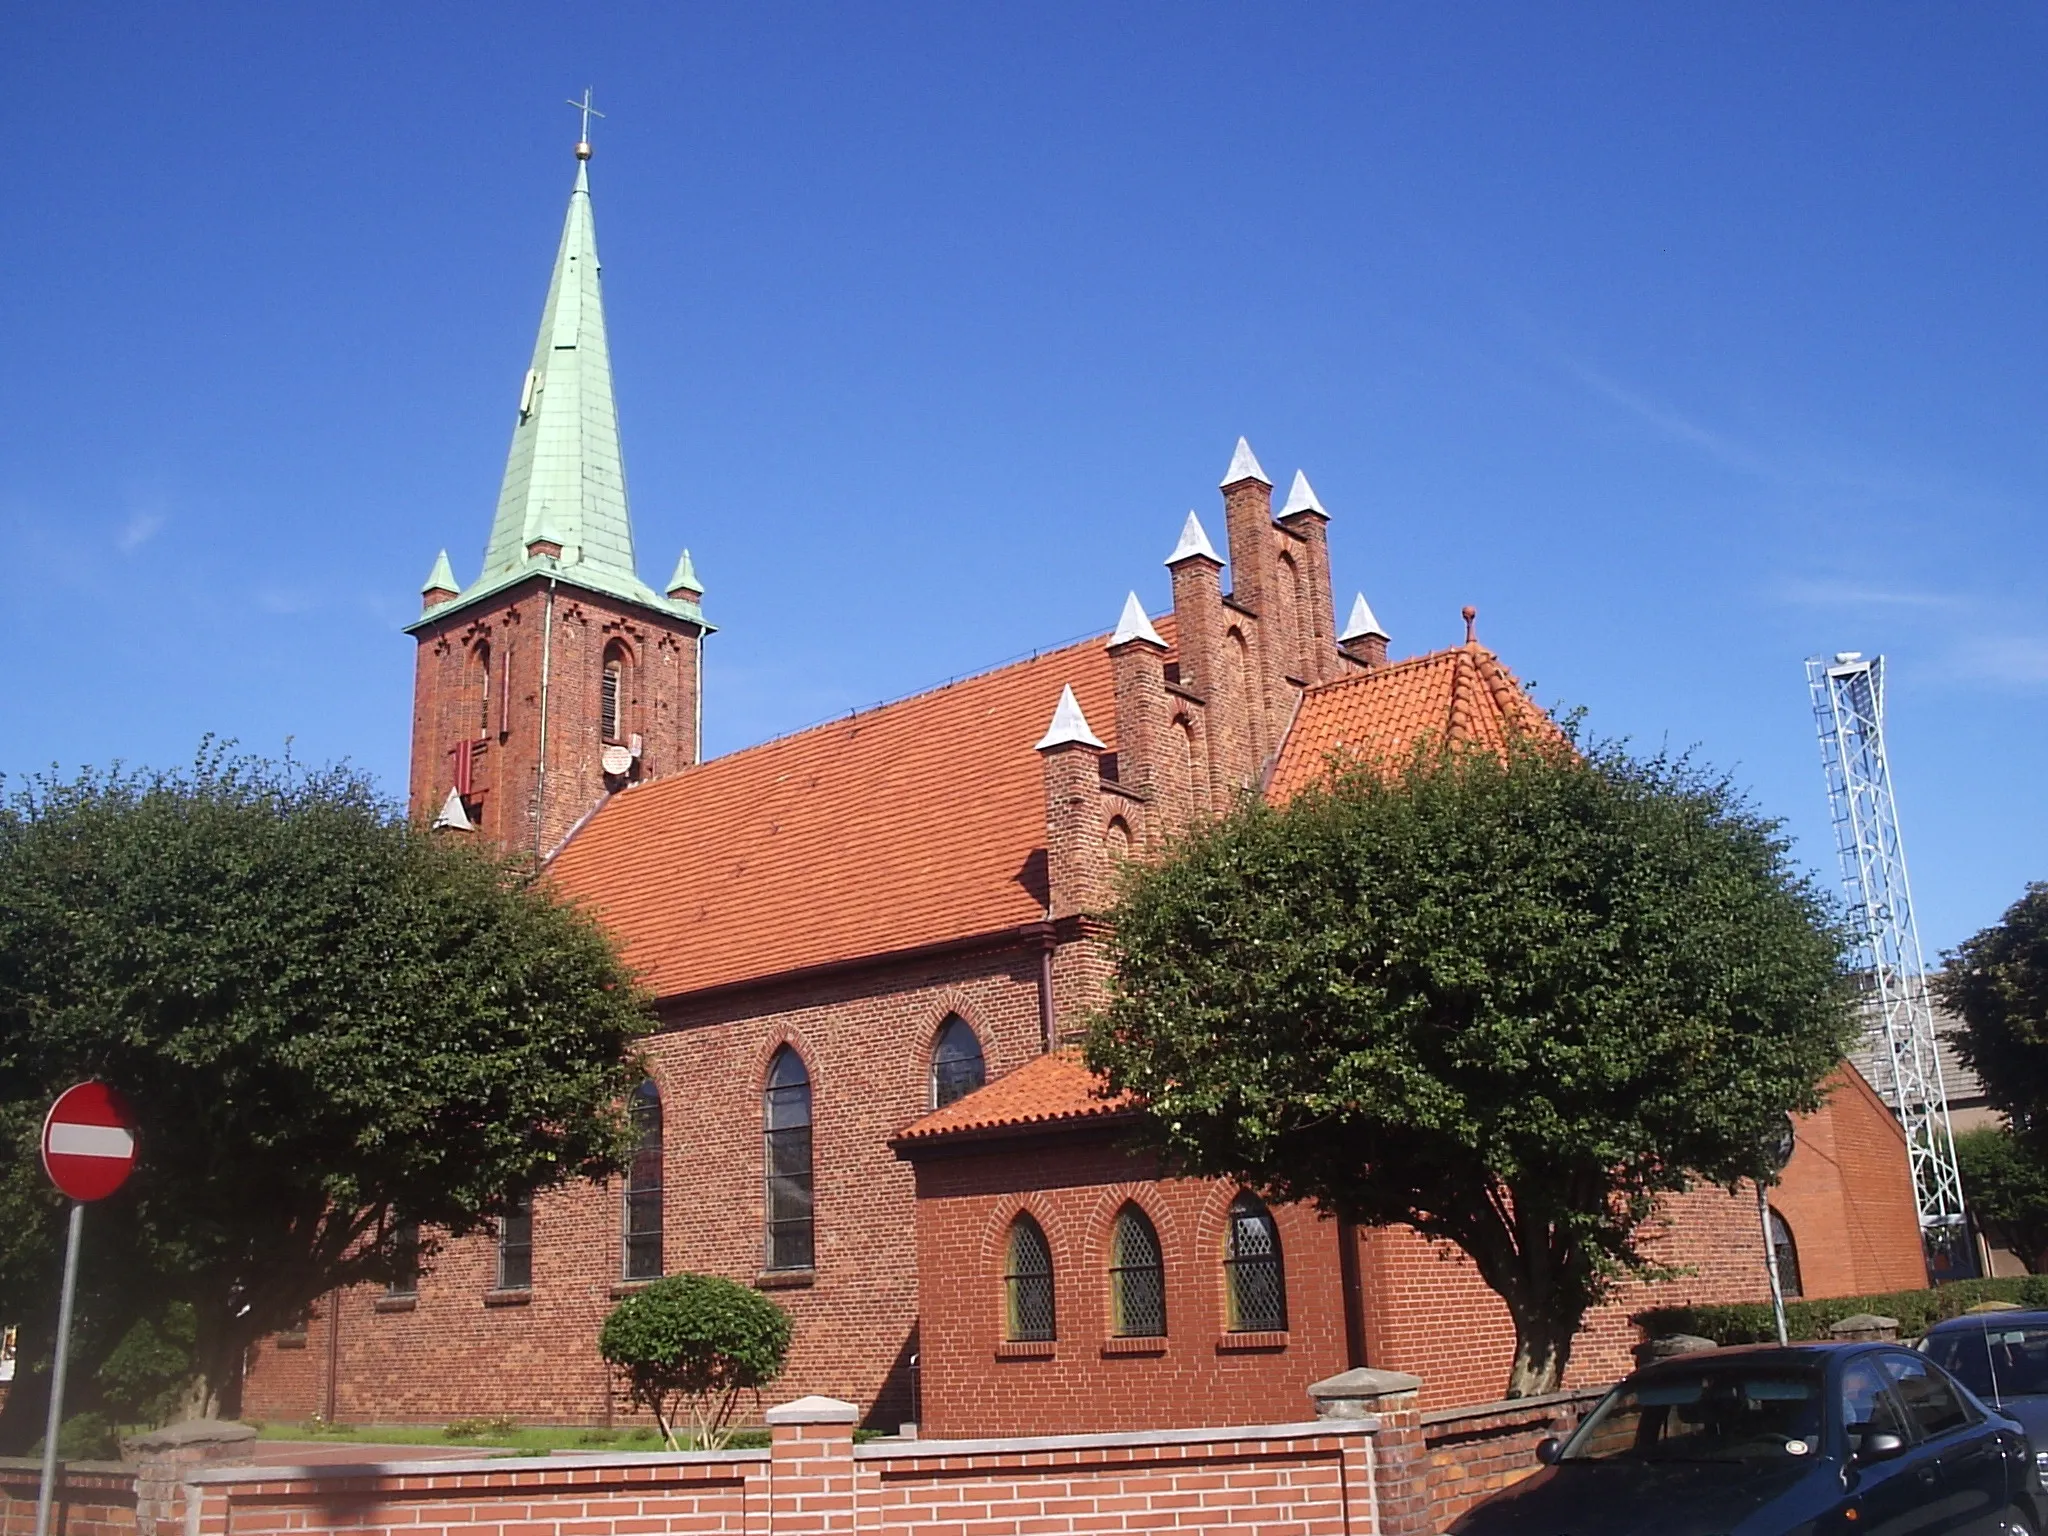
(1543, 1347)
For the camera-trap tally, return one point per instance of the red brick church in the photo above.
(870, 943)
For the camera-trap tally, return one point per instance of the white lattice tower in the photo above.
(1848, 708)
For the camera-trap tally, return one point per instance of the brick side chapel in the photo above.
(869, 943)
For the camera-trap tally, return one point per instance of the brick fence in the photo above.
(1368, 1465)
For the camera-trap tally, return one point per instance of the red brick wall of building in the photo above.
(458, 1350)
(1848, 1197)
(974, 1383)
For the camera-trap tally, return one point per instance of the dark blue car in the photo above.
(2003, 1358)
(1812, 1440)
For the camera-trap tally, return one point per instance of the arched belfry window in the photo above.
(1787, 1253)
(611, 698)
(786, 1119)
(1254, 1278)
(642, 1256)
(958, 1067)
(1137, 1278)
(1027, 1284)
(482, 680)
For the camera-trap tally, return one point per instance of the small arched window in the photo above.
(1255, 1280)
(1787, 1253)
(958, 1067)
(611, 699)
(483, 687)
(1116, 839)
(786, 1119)
(1027, 1284)
(1137, 1278)
(642, 1259)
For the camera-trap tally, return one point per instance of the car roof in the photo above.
(2031, 1317)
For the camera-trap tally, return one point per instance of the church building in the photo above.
(872, 944)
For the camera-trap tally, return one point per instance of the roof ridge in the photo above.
(1390, 669)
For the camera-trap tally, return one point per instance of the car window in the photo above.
(1868, 1406)
(1714, 1413)
(1994, 1360)
(1931, 1399)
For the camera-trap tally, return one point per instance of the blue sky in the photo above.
(1683, 341)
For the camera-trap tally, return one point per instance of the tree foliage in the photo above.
(1997, 982)
(331, 1024)
(1508, 999)
(698, 1342)
(2006, 1182)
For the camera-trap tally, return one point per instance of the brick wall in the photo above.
(1482, 1448)
(1847, 1197)
(1299, 1477)
(975, 1383)
(462, 1348)
(93, 1498)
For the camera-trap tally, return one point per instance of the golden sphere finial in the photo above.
(583, 149)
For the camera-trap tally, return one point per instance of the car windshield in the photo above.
(1720, 1412)
(1994, 1361)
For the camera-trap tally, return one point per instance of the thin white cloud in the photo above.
(1671, 424)
(1833, 593)
(138, 531)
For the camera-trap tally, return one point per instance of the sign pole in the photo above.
(57, 1368)
(1763, 1213)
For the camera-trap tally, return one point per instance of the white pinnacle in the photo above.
(1133, 626)
(1244, 465)
(1069, 725)
(454, 815)
(1301, 497)
(1361, 623)
(1193, 541)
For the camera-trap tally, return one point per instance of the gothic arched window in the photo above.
(786, 1122)
(958, 1067)
(641, 1259)
(482, 670)
(1254, 1278)
(1787, 1253)
(611, 698)
(1027, 1284)
(1137, 1278)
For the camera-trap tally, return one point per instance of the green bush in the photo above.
(696, 1341)
(84, 1437)
(147, 1376)
(1750, 1322)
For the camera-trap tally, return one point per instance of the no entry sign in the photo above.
(89, 1142)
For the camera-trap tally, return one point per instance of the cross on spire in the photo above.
(588, 111)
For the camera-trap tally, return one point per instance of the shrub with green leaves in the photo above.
(696, 1343)
(1751, 1322)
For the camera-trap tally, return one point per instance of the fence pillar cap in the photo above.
(813, 1410)
(1351, 1394)
(174, 1437)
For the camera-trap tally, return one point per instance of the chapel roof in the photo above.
(914, 824)
(1461, 695)
(1054, 1089)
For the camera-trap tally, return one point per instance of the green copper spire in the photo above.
(564, 475)
(565, 481)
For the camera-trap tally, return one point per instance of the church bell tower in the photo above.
(557, 677)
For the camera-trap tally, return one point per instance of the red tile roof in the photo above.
(909, 825)
(1463, 694)
(1051, 1089)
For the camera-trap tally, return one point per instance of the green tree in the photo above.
(2006, 1183)
(698, 1342)
(1997, 983)
(1507, 999)
(331, 1024)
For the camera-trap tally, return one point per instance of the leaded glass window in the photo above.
(405, 1242)
(642, 1259)
(786, 1118)
(1027, 1284)
(515, 1248)
(957, 1065)
(1255, 1281)
(1787, 1252)
(1137, 1278)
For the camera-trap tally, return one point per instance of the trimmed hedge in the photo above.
(1750, 1322)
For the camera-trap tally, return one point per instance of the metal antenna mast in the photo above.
(1848, 709)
